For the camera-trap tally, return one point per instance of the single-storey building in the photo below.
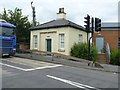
(57, 35)
(110, 33)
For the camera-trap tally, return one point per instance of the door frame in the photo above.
(102, 42)
(47, 44)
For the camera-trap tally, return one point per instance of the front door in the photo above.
(48, 47)
(99, 44)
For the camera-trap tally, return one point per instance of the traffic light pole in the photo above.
(89, 48)
(92, 29)
(88, 29)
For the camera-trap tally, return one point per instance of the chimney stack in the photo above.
(61, 14)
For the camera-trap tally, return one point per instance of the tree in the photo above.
(22, 24)
(4, 15)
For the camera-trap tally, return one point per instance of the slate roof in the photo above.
(57, 23)
(110, 26)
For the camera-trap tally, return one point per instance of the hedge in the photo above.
(80, 50)
(115, 57)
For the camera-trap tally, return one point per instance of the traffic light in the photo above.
(97, 24)
(87, 26)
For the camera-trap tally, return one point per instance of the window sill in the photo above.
(61, 50)
(35, 49)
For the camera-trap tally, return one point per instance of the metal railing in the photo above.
(108, 52)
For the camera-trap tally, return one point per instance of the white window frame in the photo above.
(61, 41)
(80, 38)
(35, 41)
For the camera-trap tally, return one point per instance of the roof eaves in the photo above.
(77, 27)
(49, 27)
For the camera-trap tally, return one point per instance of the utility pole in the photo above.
(33, 12)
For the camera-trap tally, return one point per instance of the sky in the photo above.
(76, 10)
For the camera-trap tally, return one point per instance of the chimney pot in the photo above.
(61, 10)
(61, 14)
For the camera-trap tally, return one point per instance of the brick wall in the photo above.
(110, 36)
(24, 46)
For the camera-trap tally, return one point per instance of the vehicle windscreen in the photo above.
(6, 31)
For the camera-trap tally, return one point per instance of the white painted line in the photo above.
(13, 66)
(65, 81)
(15, 62)
(72, 83)
(31, 68)
(43, 67)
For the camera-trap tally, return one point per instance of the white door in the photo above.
(99, 44)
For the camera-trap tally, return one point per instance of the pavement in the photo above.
(81, 63)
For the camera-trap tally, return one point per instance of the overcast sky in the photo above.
(76, 10)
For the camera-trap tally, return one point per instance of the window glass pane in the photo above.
(35, 41)
(61, 36)
(119, 38)
(80, 38)
(5, 31)
(62, 45)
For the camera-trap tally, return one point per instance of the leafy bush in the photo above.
(80, 50)
(115, 57)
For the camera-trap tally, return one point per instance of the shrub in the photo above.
(115, 57)
(80, 50)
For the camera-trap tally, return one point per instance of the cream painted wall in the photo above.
(42, 36)
(71, 36)
(51, 36)
(74, 36)
(65, 31)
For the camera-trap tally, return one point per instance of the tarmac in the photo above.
(81, 63)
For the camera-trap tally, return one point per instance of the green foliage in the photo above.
(115, 57)
(80, 50)
(22, 24)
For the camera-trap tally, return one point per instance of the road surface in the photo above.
(27, 73)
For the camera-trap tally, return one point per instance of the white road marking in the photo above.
(14, 62)
(13, 66)
(31, 68)
(43, 67)
(72, 83)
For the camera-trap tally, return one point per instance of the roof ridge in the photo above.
(74, 23)
(46, 22)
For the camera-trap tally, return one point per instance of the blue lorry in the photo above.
(7, 39)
